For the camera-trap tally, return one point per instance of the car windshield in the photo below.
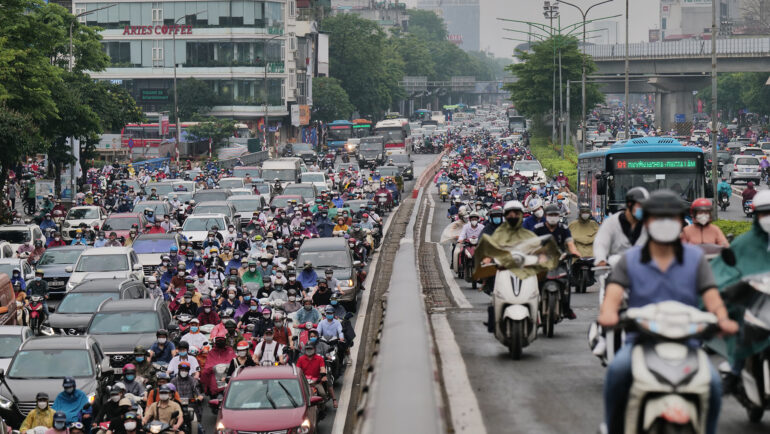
(203, 224)
(54, 363)
(330, 258)
(746, 161)
(212, 209)
(370, 146)
(300, 190)
(8, 345)
(162, 189)
(262, 188)
(242, 172)
(181, 196)
(59, 256)
(283, 201)
(231, 183)
(313, 177)
(15, 236)
(120, 223)
(388, 171)
(246, 204)
(84, 302)
(765, 146)
(102, 263)
(106, 323)
(264, 394)
(158, 208)
(153, 245)
(281, 174)
(297, 147)
(210, 195)
(527, 166)
(82, 213)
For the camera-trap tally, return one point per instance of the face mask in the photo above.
(58, 238)
(182, 353)
(329, 316)
(236, 257)
(292, 298)
(552, 220)
(59, 425)
(130, 425)
(313, 339)
(664, 230)
(231, 296)
(161, 340)
(638, 214)
(333, 302)
(38, 278)
(207, 310)
(497, 220)
(241, 353)
(69, 389)
(292, 279)
(201, 279)
(129, 377)
(703, 219)
(310, 351)
(278, 324)
(164, 396)
(307, 307)
(474, 223)
(139, 359)
(764, 223)
(585, 216)
(181, 273)
(512, 221)
(184, 374)
(539, 213)
(42, 405)
(115, 398)
(253, 308)
(268, 338)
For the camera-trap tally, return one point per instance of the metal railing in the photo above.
(246, 160)
(688, 48)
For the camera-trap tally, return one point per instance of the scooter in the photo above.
(466, 260)
(670, 388)
(748, 208)
(605, 343)
(36, 313)
(556, 290)
(443, 191)
(582, 274)
(724, 201)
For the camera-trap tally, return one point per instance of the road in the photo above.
(557, 385)
(735, 210)
(326, 425)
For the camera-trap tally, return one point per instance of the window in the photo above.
(292, 8)
(157, 16)
(78, 11)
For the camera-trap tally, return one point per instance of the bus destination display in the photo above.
(654, 163)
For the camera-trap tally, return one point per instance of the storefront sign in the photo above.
(304, 114)
(157, 30)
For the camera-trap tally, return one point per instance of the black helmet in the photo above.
(664, 203)
(552, 209)
(161, 332)
(637, 194)
(41, 396)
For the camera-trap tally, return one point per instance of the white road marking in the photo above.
(429, 225)
(466, 415)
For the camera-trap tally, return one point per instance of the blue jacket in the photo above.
(308, 278)
(724, 187)
(234, 263)
(71, 404)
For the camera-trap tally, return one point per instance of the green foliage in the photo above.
(216, 129)
(550, 157)
(330, 101)
(735, 227)
(18, 137)
(195, 98)
(740, 90)
(426, 25)
(532, 93)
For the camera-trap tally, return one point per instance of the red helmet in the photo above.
(700, 204)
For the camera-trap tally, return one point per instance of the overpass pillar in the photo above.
(675, 96)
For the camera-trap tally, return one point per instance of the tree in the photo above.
(756, 14)
(195, 98)
(18, 137)
(216, 129)
(533, 91)
(426, 25)
(330, 101)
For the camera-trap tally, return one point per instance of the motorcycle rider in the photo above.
(537, 214)
(41, 415)
(748, 193)
(39, 287)
(724, 188)
(162, 350)
(144, 368)
(659, 270)
(163, 409)
(71, 400)
(702, 231)
(130, 382)
(584, 230)
(270, 350)
(59, 424)
(472, 229)
(623, 229)
(314, 367)
(242, 358)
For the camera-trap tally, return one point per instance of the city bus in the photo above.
(397, 135)
(338, 133)
(421, 115)
(144, 135)
(362, 128)
(604, 176)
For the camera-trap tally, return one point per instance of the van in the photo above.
(371, 151)
(287, 170)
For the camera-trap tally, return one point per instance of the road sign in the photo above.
(680, 117)
(130, 143)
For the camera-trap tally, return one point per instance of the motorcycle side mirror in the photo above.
(728, 256)
(215, 402)
(314, 400)
(68, 269)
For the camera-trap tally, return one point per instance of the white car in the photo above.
(196, 227)
(103, 263)
(531, 169)
(92, 216)
(20, 234)
(318, 179)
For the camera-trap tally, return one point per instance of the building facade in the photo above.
(462, 18)
(254, 55)
(686, 19)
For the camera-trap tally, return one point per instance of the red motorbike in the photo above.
(35, 313)
(466, 260)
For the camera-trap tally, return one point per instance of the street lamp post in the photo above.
(551, 11)
(714, 115)
(625, 102)
(583, 77)
(176, 103)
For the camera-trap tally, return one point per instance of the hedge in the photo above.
(735, 227)
(550, 158)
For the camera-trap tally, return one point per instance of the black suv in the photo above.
(121, 325)
(41, 364)
(78, 305)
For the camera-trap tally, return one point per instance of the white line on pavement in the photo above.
(454, 288)
(429, 225)
(466, 415)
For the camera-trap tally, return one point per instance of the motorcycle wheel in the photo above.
(443, 198)
(755, 414)
(551, 305)
(34, 324)
(515, 338)
(467, 271)
(583, 282)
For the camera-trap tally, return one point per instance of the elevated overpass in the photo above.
(674, 69)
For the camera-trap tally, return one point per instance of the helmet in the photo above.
(161, 332)
(552, 208)
(59, 416)
(473, 214)
(761, 201)
(41, 396)
(184, 365)
(584, 207)
(329, 309)
(637, 194)
(664, 203)
(495, 211)
(750, 184)
(151, 279)
(129, 368)
(162, 375)
(139, 350)
(535, 204)
(164, 389)
(513, 205)
(700, 204)
(241, 346)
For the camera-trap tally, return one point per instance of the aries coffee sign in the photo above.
(158, 30)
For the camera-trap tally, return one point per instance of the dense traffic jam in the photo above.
(670, 284)
(160, 292)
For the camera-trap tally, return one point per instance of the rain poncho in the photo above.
(584, 233)
(506, 239)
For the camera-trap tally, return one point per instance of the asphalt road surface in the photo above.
(325, 426)
(557, 385)
(735, 210)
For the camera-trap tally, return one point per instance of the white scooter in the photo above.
(605, 343)
(670, 388)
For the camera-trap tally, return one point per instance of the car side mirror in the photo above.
(137, 267)
(728, 256)
(314, 400)
(68, 268)
(2, 373)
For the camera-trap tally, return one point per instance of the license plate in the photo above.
(748, 169)
(56, 283)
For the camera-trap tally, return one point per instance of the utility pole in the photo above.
(714, 115)
(625, 102)
(551, 11)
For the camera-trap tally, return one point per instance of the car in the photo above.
(743, 168)
(40, 365)
(231, 182)
(7, 265)
(765, 147)
(215, 207)
(20, 234)
(197, 227)
(158, 207)
(531, 169)
(282, 201)
(405, 163)
(355, 205)
(245, 207)
(117, 262)
(308, 191)
(316, 178)
(334, 253)
(252, 172)
(150, 248)
(53, 263)
(753, 151)
(11, 338)
(263, 189)
(274, 399)
(121, 223)
(211, 194)
(77, 307)
(392, 172)
(92, 216)
(120, 325)
(241, 191)
(305, 152)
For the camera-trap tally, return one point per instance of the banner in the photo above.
(295, 115)
(304, 114)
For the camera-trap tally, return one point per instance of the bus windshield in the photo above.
(677, 173)
(340, 132)
(391, 135)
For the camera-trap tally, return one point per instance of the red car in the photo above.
(121, 223)
(268, 399)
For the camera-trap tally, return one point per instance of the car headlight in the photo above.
(305, 427)
(5, 403)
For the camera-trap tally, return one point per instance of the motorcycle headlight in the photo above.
(91, 398)
(5, 403)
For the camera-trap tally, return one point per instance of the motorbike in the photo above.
(748, 208)
(220, 375)
(443, 191)
(554, 296)
(35, 313)
(190, 424)
(670, 387)
(724, 201)
(345, 157)
(315, 395)
(183, 319)
(605, 343)
(582, 274)
(382, 203)
(158, 427)
(465, 268)
(515, 301)
(333, 360)
(753, 389)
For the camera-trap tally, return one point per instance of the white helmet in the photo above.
(513, 205)
(463, 211)
(535, 204)
(151, 279)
